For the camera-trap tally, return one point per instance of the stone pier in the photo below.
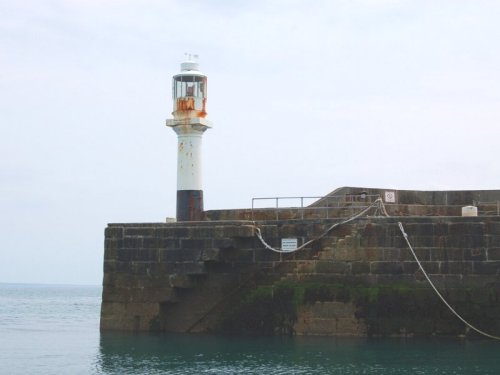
(359, 279)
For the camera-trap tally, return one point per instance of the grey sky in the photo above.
(305, 97)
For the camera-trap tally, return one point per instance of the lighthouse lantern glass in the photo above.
(189, 86)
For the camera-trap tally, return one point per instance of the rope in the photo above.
(437, 292)
(379, 204)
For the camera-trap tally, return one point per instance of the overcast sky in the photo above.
(305, 97)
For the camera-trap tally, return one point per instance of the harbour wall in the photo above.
(359, 279)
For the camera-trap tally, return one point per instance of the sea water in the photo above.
(48, 329)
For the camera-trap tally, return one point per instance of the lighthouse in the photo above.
(189, 92)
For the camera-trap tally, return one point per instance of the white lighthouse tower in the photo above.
(189, 91)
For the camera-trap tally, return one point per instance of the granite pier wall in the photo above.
(359, 279)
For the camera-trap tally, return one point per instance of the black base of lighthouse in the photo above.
(189, 205)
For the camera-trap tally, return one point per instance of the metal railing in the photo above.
(317, 203)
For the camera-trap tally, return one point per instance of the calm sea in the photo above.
(55, 330)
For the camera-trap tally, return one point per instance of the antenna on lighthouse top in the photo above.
(191, 62)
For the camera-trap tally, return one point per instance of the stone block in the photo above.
(144, 268)
(132, 242)
(181, 281)
(128, 316)
(291, 230)
(325, 266)
(108, 280)
(217, 231)
(448, 254)
(316, 229)
(211, 254)
(264, 255)
(187, 268)
(153, 295)
(475, 254)
(306, 254)
(423, 254)
(125, 255)
(147, 255)
(410, 267)
(430, 268)
(466, 228)
(201, 231)
(233, 255)
(344, 230)
(352, 242)
(393, 268)
(111, 249)
(326, 254)
(482, 297)
(113, 243)
(480, 281)
(247, 243)
(421, 241)
(420, 229)
(370, 254)
(360, 268)
(141, 231)
(457, 268)
(160, 243)
(116, 294)
(223, 243)
(466, 240)
(184, 255)
(344, 254)
(287, 267)
(493, 241)
(124, 279)
(239, 231)
(440, 242)
(180, 232)
(328, 319)
(269, 231)
(124, 267)
(398, 241)
(350, 326)
(440, 229)
(448, 281)
(387, 279)
(493, 253)
(113, 232)
(487, 268)
(151, 242)
(305, 266)
(478, 240)
(371, 228)
(373, 239)
(194, 243)
(315, 327)
(391, 254)
(493, 228)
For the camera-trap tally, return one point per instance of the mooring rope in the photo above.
(379, 204)
(401, 228)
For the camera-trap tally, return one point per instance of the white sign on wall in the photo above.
(288, 244)
(390, 197)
